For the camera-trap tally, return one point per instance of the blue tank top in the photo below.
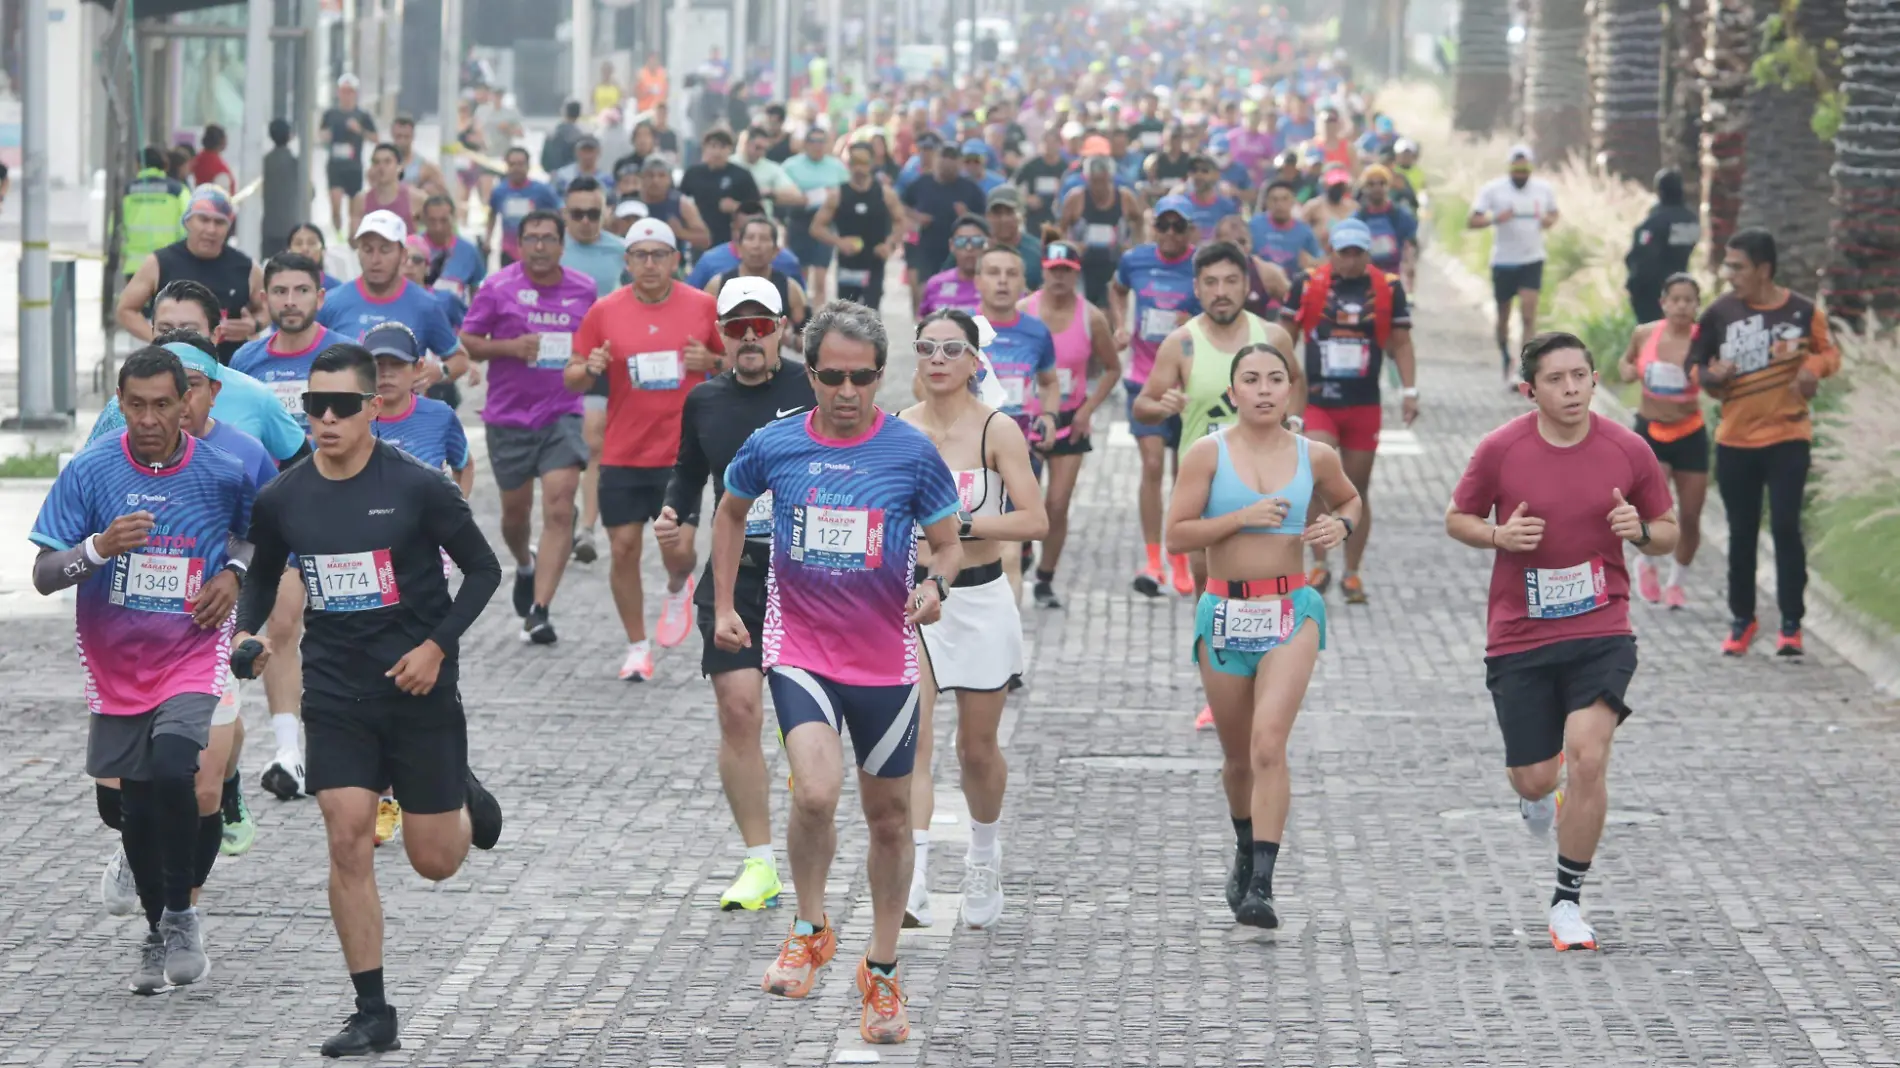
(1229, 493)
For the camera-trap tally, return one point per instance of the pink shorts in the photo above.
(1355, 428)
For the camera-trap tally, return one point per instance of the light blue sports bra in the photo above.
(1229, 493)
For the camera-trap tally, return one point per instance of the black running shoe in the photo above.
(365, 1032)
(536, 628)
(484, 812)
(524, 593)
(1046, 596)
(1256, 909)
(1239, 877)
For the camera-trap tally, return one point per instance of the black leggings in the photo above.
(1743, 476)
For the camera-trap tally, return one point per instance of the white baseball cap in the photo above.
(631, 208)
(385, 224)
(648, 230)
(1521, 152)
(347, 81)
(743, 288)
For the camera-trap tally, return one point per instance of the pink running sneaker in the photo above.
(1675, 596)
(1205, 721)
(1648, 582)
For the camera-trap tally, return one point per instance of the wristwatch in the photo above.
(1344, 522)
(943, 589)
(964, 520)
(1644, 540)
(1409, 393)
(237, 567)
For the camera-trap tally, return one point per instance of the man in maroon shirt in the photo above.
(1555, 494)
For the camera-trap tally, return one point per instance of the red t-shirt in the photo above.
(1574, 584)
(210, 168)
(647, 380)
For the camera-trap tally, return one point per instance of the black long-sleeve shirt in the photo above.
(1661, 246)
(369, 548)
(720, 414)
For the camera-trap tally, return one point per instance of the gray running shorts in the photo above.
(519, 455)
(120, 747)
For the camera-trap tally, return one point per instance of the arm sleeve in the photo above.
(452, 524)
(268, 556)
(56, 569)
(690, 469)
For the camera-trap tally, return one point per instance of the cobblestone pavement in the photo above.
(1743, 894)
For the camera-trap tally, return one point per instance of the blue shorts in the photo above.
(1307, 604)
(1168, 429)
(882, 719)
(810, 251)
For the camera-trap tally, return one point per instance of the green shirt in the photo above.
(1207, 380)
(771, 180)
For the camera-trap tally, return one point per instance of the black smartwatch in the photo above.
(1644, 540)
(943, 590)
(964, 520)
(1344, 522)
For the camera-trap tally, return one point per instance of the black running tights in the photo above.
(1744, 476)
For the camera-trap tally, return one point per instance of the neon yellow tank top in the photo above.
(1208, 409)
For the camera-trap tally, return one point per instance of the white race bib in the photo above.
(1559, 592)
(844, 539)
(555, 351)
(655, 370)
(758, 517)
(947, 291)
(340, 150)
(1151, 139)
(349, 582)
(451, 286)
(1065, 380)
(1047, 186)
(1251, 626)
(1384, 246)
(516, 207)
(289, 393)
(1344, 357)
(1013, 389)
(854, 277)
(817, 197)
(1099, 235)
(1157, 323)
(147, 582)
(1665, 379)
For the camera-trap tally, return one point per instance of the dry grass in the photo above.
(1859, 452)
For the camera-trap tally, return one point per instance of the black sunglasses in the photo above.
(831, 376)
(345, 405)
(584, 214)
(1176, 225)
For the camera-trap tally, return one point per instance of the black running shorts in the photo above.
(418, 746)
(1536, 690)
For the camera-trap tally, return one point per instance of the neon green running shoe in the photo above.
(239, 830)
(757, 887)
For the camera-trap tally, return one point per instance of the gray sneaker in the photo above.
(150, 976)
(184, 934)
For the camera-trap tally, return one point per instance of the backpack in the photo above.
(1319, 289)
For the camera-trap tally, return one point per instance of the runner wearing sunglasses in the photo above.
(956, 287)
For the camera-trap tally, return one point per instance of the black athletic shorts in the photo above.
(631, 494)
(346, 175)
(1507, 281)
(748, 596)
(1074, 444)
(417, 746)
(1536, 690)
(1689, 453)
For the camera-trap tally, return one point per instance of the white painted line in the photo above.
(1399, 441)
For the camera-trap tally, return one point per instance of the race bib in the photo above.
(1099, 235)
(516, 207)
(1560, 592)
(1157, 323)
(854, 277)
(448, 565)
(1151, 139)
(1013, 389)
(947, 291)
(817, 197)
(758, 517)
(349, 582)
(145, 582)
(1384, 246)
(289, 393)
(966, 492)
(843, 539)
(1665, 379)
(1047, 187)
(342, 151)
(1344, 357)
(1251, 626)
(555, 351)
(451, 286)
(655, 370)
(1065, 380)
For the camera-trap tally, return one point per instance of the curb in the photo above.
(1860, 640)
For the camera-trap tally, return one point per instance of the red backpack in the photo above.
(1319, 288)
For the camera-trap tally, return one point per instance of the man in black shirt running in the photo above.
(720, 414)
(381, 708)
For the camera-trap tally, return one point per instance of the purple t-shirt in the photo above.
(1251, 149)
(950, 290)
(529, 395)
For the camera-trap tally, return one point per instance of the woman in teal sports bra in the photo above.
(1250, 495)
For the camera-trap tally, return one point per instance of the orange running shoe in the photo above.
(1205, 721)
(1740, 637)
(1320, 579)
(1183, 574)
(1788, 642)
(885, 1021)
(795, 971)
(1354, 589)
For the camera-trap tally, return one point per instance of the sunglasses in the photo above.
(739, 327)
(1172, 226)
(649, 255)
(418, 261)
(949, 350)
(346, 405)
(584, 214)
(969, 242)
(831, 376)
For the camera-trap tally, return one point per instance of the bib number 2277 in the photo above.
(1559, 592)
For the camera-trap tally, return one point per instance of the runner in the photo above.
(1554, 494)
(511, 202)
(601, 255)
(725, 257)
(381, 674)
(859, 219)
(719, 415)
(1333, 204)
(1349, 316)
(456, 265)
(1670, 419)
(1258, 631)
(1021, 354)
(1394, 229)
(1521, 208)
(652, 342)
(666, 204)
(1104, 219)
(758, 245)
(1161, 278)
(522, 324)
(342, 131)
(1762, 350)
(821, 178)
(1210, 203)
(718, 186)
(938, 202)
(386, 190)
(1267, 284)
(205, 257)
(152, 640)
(840, 639)
(976, 646)
(1084, 340)
(1285, 241)
(1660, 249)
(417, 171)
(956, 287)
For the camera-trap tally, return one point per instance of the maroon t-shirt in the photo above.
(1574, 585)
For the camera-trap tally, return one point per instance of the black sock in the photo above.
(369, 989)
(110, 812)
(230, 798)
(1045, 577)
(1570, 875)
(174, 821)
(882, 969)
(210, 837)
(1264, 854)
(1243, 833)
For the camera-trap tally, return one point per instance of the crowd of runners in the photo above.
(1229, 242)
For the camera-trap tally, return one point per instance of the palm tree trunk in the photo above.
(1681, 131)
(1557, 80)
(1728, 52)
(1864, 273)
(1785, 184)
(1482, 93)
(1626, 67)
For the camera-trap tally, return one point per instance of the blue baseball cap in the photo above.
(1350, 233)
(1176, 203)
(391, 338)
(975, 147)
(195, 359)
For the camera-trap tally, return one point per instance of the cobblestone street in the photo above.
(1743, 895)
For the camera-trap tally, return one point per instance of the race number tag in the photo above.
(1047, 186)
(966, 492)
(1252, 626)
(655, 370)
(843, 539)
(448, 565)
(289, 393)
(1384, 246)
(947, 291)
(146, 582)
(516, 207)
(349, 582)
(1099, 235)
(1013, 389)
(758, 517)
(1344, 357)
(451, 286)
(555, 351)
(1560, 592)
(854, 277)
(1665, 379)
(1151, 139)
(1065, 380)
(1157, 323)
(816, 198)
(341, 150)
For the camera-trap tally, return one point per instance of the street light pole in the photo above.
(259, 57)
(781, 50)
(449, 75)
(581, 54)
(36, 269)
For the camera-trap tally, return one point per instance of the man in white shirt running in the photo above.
(1520, 208)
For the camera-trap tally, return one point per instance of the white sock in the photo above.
(1677, 572)
(637, 647)
(284, 726)
(982, 840)
(763, 852)
(525, 572)
(920, 844)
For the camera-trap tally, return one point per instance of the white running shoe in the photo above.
(983, 890)
(917, 909)
(118, 891)
(1567, 929)
(1540, 815)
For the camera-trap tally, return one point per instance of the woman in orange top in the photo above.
(1670, 419)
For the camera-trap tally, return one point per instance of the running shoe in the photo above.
(1541, 815)
(1256, 908)
(1648, 582)
(524, 589)
(1205, 721)
(1353, 588)
(1148, 582)
(484, 812)
(983, 890)
(1183, 575)
(536, 628)
(1675, 596)
(388, 819)
(1320, 579)
(240, 832)
(1788, 642)
(1046, 596)
(884, 1021)
(1740, 636)
(676, 616)
(1239, 876)
(184, 935)
(149, 978)
(917, 910)
(795, 972)
(638, 667)
(365, 1032)
(757, 887)
(1029, 557)
(118, 890)
(284, 777)
(585, 552)
(1567, 929)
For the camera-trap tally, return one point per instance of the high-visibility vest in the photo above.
(154, 209)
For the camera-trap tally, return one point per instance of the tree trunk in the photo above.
(1785, 185)
(1557, 80)
(1864, 273)
(1626, 63)
(1482, 93)
(1681, 131)
(1728, 51)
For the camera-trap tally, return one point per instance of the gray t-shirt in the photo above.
(280, 194)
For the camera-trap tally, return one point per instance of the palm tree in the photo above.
(1785, 185)
(1482, 93)
(1863, 276)
(1728, 51)
(1557, 80)
(1626, 71)
(1681, 130)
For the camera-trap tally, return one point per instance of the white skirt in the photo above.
(977, 644)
